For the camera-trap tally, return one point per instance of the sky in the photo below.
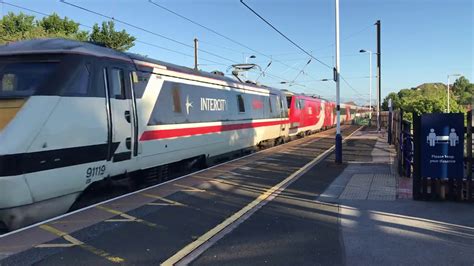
(421, 40)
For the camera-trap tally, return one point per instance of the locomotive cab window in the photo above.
(23, 78)
(298, 104)
(288, 101)
(118, 83)
(301, 101)
(79, 84)
(240, 102)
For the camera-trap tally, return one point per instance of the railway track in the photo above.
(108, 191)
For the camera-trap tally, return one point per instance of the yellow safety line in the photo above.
(52, 230)
(76, 242)
(170, 202)
(55, 245)
(128, 218)
(214, 231)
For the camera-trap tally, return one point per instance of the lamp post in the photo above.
(338, 96)
(451, 75)
(370, 82)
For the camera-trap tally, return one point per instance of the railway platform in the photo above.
(285, 205)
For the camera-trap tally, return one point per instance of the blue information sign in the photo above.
(442, 145)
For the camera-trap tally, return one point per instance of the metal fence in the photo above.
(402, 139)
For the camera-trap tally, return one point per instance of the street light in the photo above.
(451, 75)
(337, 69)
(370, 84)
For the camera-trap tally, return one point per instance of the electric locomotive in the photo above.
(74, 113)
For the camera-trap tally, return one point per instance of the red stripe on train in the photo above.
(181, 132)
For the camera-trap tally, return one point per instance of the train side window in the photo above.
(9, 82)
(270, 104)
(140, 81)
(118, 83)
(176, 100)
(240, 102)
(298, 104)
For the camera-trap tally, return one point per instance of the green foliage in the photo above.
(16, 27)
(119, 40)
(426, 98)
(463, 91)
(20, 24)
(395, 101)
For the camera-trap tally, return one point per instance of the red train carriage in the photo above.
(306, 114)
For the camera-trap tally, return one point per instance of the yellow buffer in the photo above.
(8, 109)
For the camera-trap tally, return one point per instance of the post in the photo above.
(196, 53)
(419, 185)
(469, 155)
(390, 117)
(448, 93)
(338, 103)
(379, 75)
(370, 86)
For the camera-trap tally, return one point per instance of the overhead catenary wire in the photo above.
(294, 43)
(302, 71)
(349, 85)
(140, 41)
(89, 27)
(145, 30)
(221, 35)
(284, 36)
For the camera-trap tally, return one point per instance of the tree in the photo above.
(395, 101)
(108, 36)
(16, 27)
(53, 25)
(463, 90)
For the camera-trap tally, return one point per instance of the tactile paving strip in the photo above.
(371, 187)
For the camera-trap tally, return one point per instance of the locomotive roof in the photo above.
(70, 46)
(59, 46)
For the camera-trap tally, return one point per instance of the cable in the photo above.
(301, 71)
(350, 86)
(219, 34)
(24, 8)
(177, 52)
(295, 44)
(144, 30)
(89, 27)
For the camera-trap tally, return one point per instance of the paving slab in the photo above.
(381, 225)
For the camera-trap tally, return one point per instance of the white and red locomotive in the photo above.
(74, 113)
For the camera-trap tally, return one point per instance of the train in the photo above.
(76, 113)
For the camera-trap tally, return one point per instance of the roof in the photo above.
(182, 69)
(59, 46)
